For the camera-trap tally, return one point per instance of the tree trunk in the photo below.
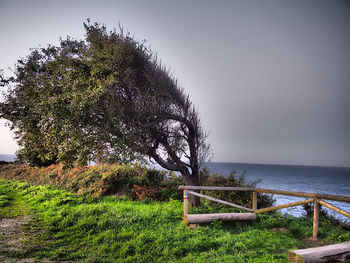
(193, 180)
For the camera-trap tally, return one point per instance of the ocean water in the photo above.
(312, 179)
(7, 157)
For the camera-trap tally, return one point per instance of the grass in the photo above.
(5, 200)
(110, 229)
(10, 206)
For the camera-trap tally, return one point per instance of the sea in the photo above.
(311, 179)
(7, 157)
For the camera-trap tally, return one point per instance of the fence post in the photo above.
(185, 202)
(254, 201)
(316, 218)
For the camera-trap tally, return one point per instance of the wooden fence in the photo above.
(314, 198)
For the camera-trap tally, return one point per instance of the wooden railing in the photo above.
(314, 198)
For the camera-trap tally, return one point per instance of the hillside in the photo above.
(63, 226)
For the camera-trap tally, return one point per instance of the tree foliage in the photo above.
(105, 98)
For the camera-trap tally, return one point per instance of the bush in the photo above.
(243, 198)
(325, 216)
(132, 180)
(97, 180)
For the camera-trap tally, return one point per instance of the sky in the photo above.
(270, 78)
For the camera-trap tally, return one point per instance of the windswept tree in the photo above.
(105, 98)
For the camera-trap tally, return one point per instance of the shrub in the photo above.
(243, 198)
(325, 216)
(132, 180)
(97, 180)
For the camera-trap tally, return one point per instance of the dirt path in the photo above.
(15, 237)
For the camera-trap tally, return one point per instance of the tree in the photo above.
(107, 97)
(54, 104)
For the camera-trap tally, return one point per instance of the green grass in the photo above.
(108, 229)
(5, 200)
(10, 206)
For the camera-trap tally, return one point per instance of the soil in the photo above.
(313, 242)
(15, 235)
(280, 229)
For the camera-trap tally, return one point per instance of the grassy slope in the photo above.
(107, 229)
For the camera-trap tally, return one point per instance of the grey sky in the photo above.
(271, 79)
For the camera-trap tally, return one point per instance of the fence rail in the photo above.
(314, 198)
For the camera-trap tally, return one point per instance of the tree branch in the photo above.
(171, 153)
(173, 167)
